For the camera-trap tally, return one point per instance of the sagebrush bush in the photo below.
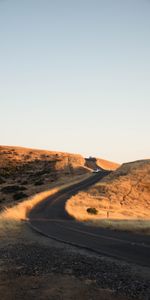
(92, 210)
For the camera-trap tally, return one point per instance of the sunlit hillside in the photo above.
(122, 195)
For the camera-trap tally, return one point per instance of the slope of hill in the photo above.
(107, 165)
(24, 171)
(122, 195)
(12, 158)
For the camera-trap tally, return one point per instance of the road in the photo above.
(50, 218)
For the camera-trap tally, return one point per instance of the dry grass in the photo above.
(11, 218)
(20, 211)
(139, 226)
(107, 165)
(122, 199)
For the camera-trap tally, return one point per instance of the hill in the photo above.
(122, 195)
(24, 171)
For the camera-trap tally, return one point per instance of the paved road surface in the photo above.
(50, 218)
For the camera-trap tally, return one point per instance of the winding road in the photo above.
(50, 219)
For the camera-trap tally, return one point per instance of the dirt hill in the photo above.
(124, 194)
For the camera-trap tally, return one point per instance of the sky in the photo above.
(75, 76)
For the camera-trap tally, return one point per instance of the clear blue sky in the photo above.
(75, 76)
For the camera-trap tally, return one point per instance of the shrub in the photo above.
(24, 182)
(2, 180)
(12, 189)
(39, 182)
(27, 156)
(2, 200)
(19, 196)
(43, 156)
(52, 180)
(92, 210)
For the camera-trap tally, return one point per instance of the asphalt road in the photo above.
(50, 218)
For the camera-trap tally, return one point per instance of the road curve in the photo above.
(50, 218)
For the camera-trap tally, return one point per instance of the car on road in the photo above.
(96, 170)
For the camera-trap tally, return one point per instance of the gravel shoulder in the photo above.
(33, 266)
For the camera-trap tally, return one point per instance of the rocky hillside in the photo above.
(124, 194)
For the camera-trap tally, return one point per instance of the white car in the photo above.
(96, 170)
